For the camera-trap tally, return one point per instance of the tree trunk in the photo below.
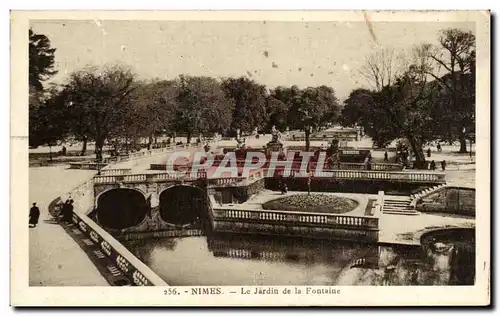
(50, 153)
(150, 142)
(416, 147)
(98, 149)
(307, 131)
(463, 143)
(84, 147)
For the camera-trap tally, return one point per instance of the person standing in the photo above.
(439, 149)
(443, 165)
(34, 215)
(386, 156)
(433, 165)
(428, 152)
(64, 210)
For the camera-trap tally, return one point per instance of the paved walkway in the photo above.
(55, 258)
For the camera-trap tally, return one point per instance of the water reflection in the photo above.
(245, 260)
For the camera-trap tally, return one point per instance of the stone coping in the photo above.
(125, 260)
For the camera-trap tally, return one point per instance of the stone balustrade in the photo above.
(115, 172)
(86, 165)
(137, 271)
(382, 175)
(422, 177)
(297, 218)
(374, 166)
(149, 177)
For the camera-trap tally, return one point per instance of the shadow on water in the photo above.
(228, 259)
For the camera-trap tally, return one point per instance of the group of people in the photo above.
(66, 211)
(432, 165)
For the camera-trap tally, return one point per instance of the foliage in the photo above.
(456, 56)
(47, 122)
(41, 60)
(313, 108)
(97, 100)
(250, 99)
(203, 106)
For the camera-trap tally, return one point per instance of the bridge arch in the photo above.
(121, 208)
(183, 204)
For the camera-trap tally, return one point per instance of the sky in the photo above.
(270, 52)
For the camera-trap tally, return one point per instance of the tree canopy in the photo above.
(41, 60)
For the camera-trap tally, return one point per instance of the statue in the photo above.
(276, 135)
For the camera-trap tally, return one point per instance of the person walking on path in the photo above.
(439, 149)
(433, 165)
(428, 152)
(386, 156)
(34, 215)
(443, 165)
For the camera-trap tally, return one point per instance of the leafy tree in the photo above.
(280, 103)
(97, 100)
(47, 122)
(152, 109)
(313, 108)
(360, 110)
(41, 60)
(277, 111)
(250, 102)
(202, 106)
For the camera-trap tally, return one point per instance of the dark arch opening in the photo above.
(182, 204)
(121, 208)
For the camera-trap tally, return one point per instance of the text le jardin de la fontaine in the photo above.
(270, 290)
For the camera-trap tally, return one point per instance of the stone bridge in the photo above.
(161, 201)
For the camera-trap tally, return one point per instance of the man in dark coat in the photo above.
(64, 210)
(433, 165)
(69, 212)
(34, 215)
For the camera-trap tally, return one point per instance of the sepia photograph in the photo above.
(269, 158)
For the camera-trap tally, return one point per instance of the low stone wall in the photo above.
(295, 224)
(83, 197)
(454, 200)
(138, 272)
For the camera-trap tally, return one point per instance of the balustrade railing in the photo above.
(374, 166)
(115, 172)
(277, 217)
(325, 174)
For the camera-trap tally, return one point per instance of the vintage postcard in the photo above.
(298, 158)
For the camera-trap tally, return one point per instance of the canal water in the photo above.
(255, 260)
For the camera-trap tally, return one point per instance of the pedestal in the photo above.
(275, 147)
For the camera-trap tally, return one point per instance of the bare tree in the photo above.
(454, 62)
(383, 67)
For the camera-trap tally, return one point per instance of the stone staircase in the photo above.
(398, 205)
(415, 197)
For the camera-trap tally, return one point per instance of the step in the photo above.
(404, 212)
(397, 203)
